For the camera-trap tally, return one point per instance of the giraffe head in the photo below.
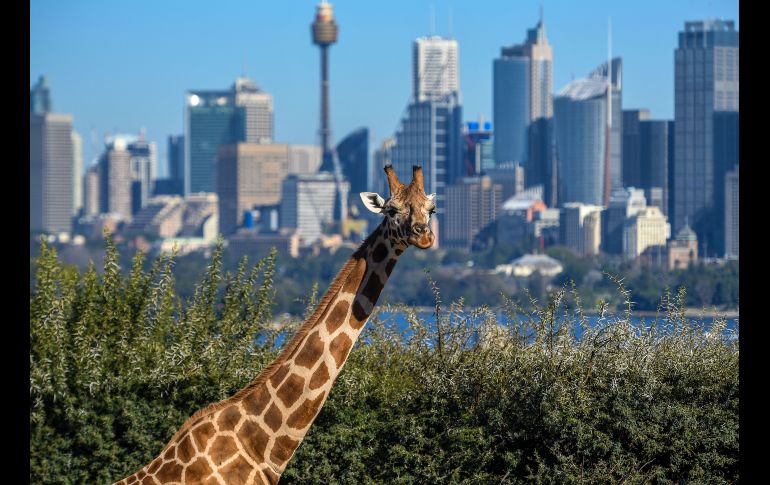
(407, 212)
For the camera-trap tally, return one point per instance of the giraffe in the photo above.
(250, 437)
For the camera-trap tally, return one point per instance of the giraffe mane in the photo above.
(267, 372)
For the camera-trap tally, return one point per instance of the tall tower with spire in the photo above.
(324, 35)
(324, 30)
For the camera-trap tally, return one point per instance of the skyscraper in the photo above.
(522, 93)
(731, 217)
(353, 155)
(472, 204)
(615, 99)
(144, 157)
(40, 97)
(77, 173)
(115, 184)
(706, 81)
(430, 133)
(258, 110)
(726, 157)
(435, 68)
(646, 152)
(126, 175)
(244, 113)
(51, 170)
(541, 167)
(580, 115)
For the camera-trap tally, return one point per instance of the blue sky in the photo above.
(118, 66)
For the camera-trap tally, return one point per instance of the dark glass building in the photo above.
(646, 156)
(706, 82)
(211, 120)
(726, 156)
(541, 167)
(353, 155)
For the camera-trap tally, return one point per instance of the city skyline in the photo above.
(148, 74)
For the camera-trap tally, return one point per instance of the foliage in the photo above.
(118, 363)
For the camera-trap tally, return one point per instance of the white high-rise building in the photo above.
(259, 110)
(435, 68)
(77, 173)
(50, 172)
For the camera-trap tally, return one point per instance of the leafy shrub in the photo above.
(118, 363)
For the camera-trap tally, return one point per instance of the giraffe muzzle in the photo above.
(422, 236)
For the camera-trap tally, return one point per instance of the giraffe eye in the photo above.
(432, 211)
(392, 211)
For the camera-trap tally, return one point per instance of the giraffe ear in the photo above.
(373, 201)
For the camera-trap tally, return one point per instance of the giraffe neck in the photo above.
(250, 437)
(300, 386)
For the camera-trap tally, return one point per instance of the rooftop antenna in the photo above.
(608, 144)
(432, 19)
(541, 12)
(450, 21)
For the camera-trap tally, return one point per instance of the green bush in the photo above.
(118, 363)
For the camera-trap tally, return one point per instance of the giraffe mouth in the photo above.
(423, 241)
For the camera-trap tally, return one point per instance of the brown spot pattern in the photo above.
(340, 347)
(236, 472)
(254, 440)
(228, 418)
(373, 287)
(305, 413)
(170, 472)
(291, 389)
(389, 266)
(283, 449)
(355, 277)
(272, 477)
(202, 434)
(154, 465)
(254, 402)
(311, 351)
(141, 474)
(148, 481)
(399, 251)
(196, 472)
(359, 316)
(320, 377)
(337, 316)
(223, 448)
(379, 253)
(276, 378)
(170, 454)
(184, 450)
(273, 417)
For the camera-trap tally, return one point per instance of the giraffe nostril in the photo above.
(419, 228)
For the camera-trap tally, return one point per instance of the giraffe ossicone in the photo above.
(250, 437)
